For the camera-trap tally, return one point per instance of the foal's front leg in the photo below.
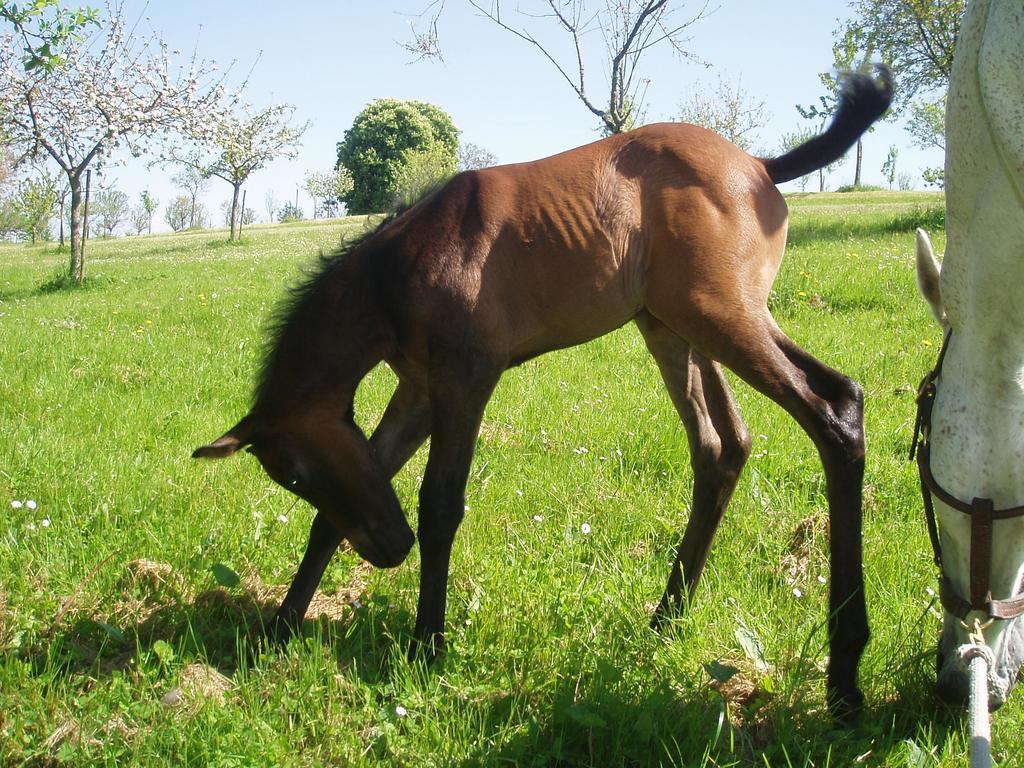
(402, 429)
(457, 406)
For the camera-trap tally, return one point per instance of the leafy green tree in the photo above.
(424, 169)
(927, 126)
(35, 204)
(378, 146)
(9, 218)
(917, 38)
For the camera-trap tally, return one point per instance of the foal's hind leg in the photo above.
(830, 408)
(741, 334)
(402, 429)
(719, 446)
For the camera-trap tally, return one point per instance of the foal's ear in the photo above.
(227, 444)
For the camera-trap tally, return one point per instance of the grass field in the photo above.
(123, 637)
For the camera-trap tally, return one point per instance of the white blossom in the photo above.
(117, 88)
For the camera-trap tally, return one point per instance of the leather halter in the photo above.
(981, 512)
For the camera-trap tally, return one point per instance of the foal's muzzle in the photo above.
(384, 550)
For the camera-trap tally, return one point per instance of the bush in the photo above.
(383, 139)
(423, 170)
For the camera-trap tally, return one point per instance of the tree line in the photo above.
(77, 87)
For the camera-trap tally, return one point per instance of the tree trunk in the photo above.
(821, 179)
(77, 268)
(860, 157)
(62, 207)
(234, 210)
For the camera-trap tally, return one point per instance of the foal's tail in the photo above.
(862, 100)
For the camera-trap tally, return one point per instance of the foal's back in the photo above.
(555, 252)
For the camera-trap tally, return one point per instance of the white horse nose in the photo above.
(952, 687)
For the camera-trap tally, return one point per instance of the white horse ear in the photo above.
(227, 444)
(928, 271)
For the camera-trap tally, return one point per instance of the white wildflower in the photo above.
(585, 529)
(31, 504)
(401, 711)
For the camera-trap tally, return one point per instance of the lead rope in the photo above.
(978, 658)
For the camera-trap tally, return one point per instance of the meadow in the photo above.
(133, 579)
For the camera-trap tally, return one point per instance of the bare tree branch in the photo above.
(630, 29)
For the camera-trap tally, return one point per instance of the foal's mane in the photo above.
(302, 295)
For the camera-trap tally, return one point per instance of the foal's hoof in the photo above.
(664, 614)
(846, 706)
(426, 650)
(279, 631)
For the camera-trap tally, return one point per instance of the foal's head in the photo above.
(323, 457)
(329, 334)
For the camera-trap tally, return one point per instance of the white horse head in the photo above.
(976, 432)
(977, 425)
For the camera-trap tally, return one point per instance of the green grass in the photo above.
(118, 646)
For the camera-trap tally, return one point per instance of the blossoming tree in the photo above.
(235, 144)
(111, 90)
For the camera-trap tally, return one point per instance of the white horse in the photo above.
(977, 429)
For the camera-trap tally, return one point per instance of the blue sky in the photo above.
(330, 59)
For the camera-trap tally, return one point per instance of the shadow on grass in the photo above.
(665, 726)
(603, 715)
(809, 226)
(223, 627)
(59, 283)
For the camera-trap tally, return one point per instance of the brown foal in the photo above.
(670, 226)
